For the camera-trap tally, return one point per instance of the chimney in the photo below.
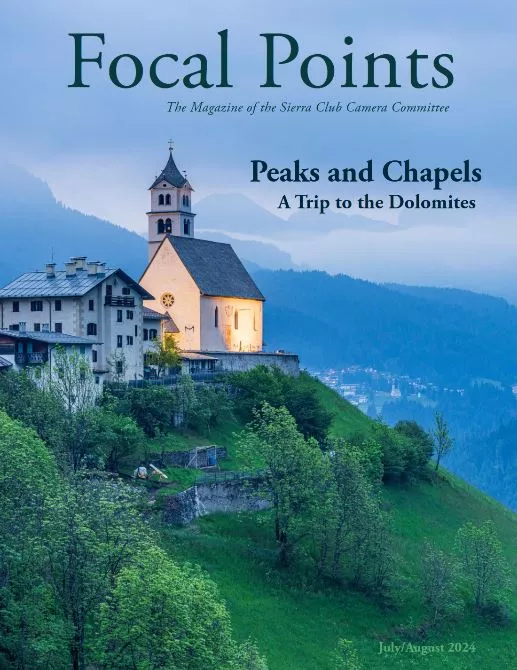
(51, 270)
(101, 269)
(92, 268)
(79, 261)
(22, 326)
(70, 269)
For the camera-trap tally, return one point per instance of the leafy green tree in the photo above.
(35, 407)
(482, 563)
(164, 617)
(393, 453)
(443, 441)
(70, 377)
(153, 409)
(96, 532)
(439, 582)
(271, 385)
(354, 543)
(419, 450)
(164, 354)
(118, 436)
(292, 476)
(212, 406)
(346, 657)
(32, 632)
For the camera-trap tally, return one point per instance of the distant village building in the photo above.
(102, 306)
(395, 392)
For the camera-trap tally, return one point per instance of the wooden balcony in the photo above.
(35, 358)
(119, 301)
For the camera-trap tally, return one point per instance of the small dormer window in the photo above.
(161, 199)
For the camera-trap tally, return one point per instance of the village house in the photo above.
(20, 349)
(102, 306)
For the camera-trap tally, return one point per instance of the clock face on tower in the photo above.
(167, 299)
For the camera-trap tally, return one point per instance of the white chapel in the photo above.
(205, 293)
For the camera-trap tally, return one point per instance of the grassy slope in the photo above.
(298, 629)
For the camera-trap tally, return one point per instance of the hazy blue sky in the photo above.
(99, 148)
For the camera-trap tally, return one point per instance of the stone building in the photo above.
(85, 300)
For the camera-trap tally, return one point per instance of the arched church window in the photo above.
(236, 319)
(168, 199)
(168, 226)
(161, 228)
(186, 226)
(216, 317)
(160, 199)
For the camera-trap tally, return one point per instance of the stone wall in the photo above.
(237, 361)
(239, 495)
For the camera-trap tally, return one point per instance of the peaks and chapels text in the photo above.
(395, 171)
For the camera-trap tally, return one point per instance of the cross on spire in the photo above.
(171, 145)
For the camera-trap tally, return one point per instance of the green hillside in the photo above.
(297, 624)
(99, 577)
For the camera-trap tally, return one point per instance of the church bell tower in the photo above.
(171, 206)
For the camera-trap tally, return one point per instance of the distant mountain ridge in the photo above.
(334, 321)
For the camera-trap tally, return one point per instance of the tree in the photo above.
(153, 409)
(212, 406)
(297, 394)
(443, 441)
(346, 657)
(164, 617)
(294, 475)
(33, 635)
(35, 407)
(71, 378)
(439, 582)
(96, 532)
(482, 563)
(164, 354)
(118, 436)
(419, 447)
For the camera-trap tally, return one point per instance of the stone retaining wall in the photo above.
(240, 495)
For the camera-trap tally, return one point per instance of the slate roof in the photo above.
(170, 174)
(215, 267)
(5, 363)
(170, 325)
(40, 285)
(152, 314)
(48, 338)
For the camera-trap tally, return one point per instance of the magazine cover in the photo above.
(258, 335)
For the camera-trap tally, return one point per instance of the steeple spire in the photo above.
(171, 205)
(170, 173)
